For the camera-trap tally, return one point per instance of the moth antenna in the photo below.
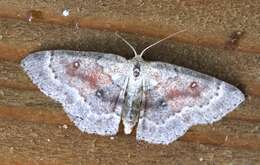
(171, 35)
(133, 49)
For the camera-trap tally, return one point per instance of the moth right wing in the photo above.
(177, 98)
(90, 86)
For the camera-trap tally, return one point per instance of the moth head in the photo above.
(148, 47)
(136, 70)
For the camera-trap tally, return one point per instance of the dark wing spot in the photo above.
(79, 117)
(161, 103)
(100, 93)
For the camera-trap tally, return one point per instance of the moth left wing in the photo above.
(89, 85)
(176, 98)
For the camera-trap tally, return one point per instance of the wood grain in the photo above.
(32, 127)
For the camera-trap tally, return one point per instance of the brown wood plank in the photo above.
(154, 18)
(70, 146)
(32, 127)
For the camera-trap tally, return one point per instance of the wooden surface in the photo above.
(33, 128)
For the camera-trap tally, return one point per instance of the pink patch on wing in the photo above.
(93, 77)
(176, 93)
(180, 97)
(96, 78)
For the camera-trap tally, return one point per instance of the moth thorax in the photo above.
(136, 70)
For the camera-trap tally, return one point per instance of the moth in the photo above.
(99, 90)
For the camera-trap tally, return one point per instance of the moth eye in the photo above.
(76, 64)
(193, 84)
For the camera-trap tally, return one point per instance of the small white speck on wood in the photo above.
(66, 13)
(112, 138)
(65, 126)
(226, 138)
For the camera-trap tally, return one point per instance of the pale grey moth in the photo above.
(98, 90)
